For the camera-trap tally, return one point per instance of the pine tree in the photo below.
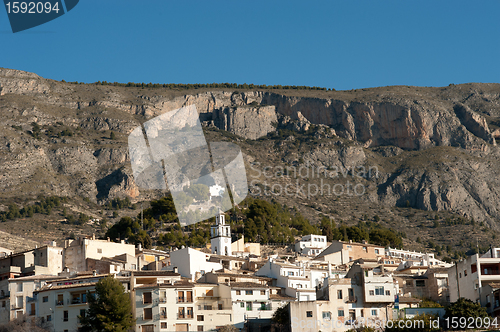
(110, 310)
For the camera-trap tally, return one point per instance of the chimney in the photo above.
(139, 246)
(93, 236)
(94, 273)
(108, 239)
(176, 270)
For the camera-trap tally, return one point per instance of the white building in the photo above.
(412, 259)
(76, 252)
(299, 281)
(365, 296)
(311, 245)
(468, 277)
(189, 261)
(252, 301)
(220, 236)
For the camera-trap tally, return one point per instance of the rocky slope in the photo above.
(435, 148)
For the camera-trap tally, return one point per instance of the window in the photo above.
(200, 318)
(180, 297)
(45, 299)
(20, 287)
(409, 282)
(262, 292)
(249, 292)
(49, 318)
(146, 298)
(377, 251)
(372, 292)
(99, 250)
(339, 294)
(465, 273)
(163, 313)
(460, 275)
(164, 325)
(340, 313)
(249, 306)
(190, 312)
(327, 315)
(374, 312)
(220, 306)
(420, 283)
(366, 273)
(365, 249)
(238, 292)
(290, 273)
(148, 313)
(65, 319)
(379, 290)
(200, 327)
(388, 292)
(309, 313)
(242, 304)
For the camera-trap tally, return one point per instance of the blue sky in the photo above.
(333, 44)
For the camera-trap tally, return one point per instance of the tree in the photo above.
(112, 135)
(26, 324)
(281, 318)
(109, 310)
(464, 308)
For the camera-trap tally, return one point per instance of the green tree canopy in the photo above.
(464, 308)
(110, 310)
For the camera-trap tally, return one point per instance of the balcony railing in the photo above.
(185, 316)
(184, 300)
(163, 300)
(59, 302)
(352, 299)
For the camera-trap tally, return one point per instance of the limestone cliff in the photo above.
(72, 153)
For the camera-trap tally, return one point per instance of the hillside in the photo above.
(432, 152)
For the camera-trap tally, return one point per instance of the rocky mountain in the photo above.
(434, 149)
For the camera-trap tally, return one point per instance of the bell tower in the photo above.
(220, 236)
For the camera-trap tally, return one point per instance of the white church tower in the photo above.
(220, 236)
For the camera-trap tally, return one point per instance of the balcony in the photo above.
(59, 302)
(181, 316)
(184, 300)
(352, 299)
(163, 300)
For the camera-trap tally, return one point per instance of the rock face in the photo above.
(248, 122)
(447, 135)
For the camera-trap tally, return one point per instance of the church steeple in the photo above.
(220, 236)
